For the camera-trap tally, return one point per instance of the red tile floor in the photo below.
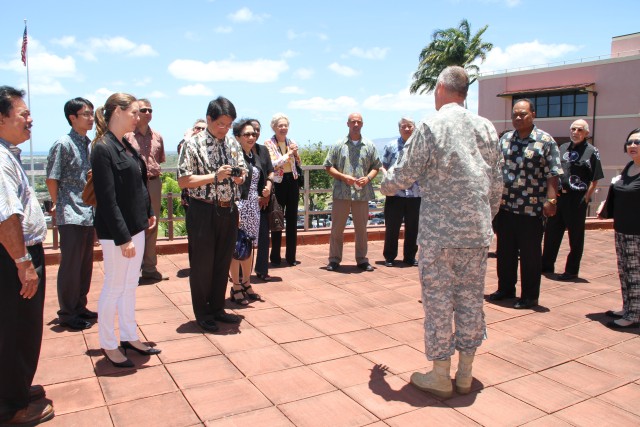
(337, 349)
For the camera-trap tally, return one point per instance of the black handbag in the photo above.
(243, 247)
(300, 176)
(276, 215)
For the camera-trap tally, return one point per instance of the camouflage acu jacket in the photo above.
(456, 159)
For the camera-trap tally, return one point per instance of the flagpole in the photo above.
(26, 63)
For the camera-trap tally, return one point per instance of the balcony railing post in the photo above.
(306, 199)
(170, 215)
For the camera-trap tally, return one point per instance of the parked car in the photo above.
(377, 221)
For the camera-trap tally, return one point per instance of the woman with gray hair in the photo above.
(286, 163)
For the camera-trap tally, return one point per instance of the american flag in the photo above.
(24, 46)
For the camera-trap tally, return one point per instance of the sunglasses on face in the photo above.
(199, 128)
(249, 134)
(146, 110)
(574, 129)
(632, 142)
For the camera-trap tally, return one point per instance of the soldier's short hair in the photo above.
(454, 79)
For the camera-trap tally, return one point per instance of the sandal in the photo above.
(238, 295)
(249, 292)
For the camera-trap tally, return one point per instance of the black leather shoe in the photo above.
(411, 262)
(566, 276)
(499, 296)
(88, 314)
(611, 313)
(264, 277)
(365, 266)
(36, 392)
(76, 324)
(126, 345)
(224, 317)
(208, 325)
(276, 263)
(293, 263)
(125, 364)
(612, 324)
(547, 270)
(388, 263)
(525, 303)
(333, 266)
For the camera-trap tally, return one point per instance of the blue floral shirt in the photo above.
(528, 162)
(68, 163)
(17, 197)
(392, 151)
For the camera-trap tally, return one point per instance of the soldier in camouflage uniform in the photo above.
(456, 159)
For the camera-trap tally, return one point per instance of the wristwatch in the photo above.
(552, 201)
(25, 258)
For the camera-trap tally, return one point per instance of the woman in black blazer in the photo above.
(122, 214)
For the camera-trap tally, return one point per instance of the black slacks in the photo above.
(288, 194)
(397, 209)
(212, 232)
(571, 216)
(76, 266)
(20, 331)
(519, 235)
(262, 255)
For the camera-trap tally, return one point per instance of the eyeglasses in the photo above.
(199, 128)
(146, 110)
(85, 114)
(249, 134)
(632, 142)
(574, 129)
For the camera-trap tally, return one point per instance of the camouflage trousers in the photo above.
(452, 290)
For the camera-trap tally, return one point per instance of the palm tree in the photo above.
(453, 46)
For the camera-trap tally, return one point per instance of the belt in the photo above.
(151, 178)
(212, 202)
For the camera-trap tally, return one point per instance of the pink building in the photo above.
(604, 92)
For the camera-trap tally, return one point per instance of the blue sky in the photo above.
(314, 61)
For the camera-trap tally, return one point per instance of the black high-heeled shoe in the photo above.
(238, 296)
(251, 295)
(126, 364)
(126, 345)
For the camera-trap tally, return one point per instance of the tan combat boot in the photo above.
(436, 381)
(463, 375)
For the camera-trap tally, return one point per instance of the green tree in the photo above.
(315, 154)
(170, 185)
(453, 46)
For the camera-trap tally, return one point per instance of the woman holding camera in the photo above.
(259, 167)
(286, 161)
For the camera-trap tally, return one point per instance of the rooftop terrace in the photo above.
(337, 349)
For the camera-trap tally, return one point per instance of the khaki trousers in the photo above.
(150, 258)
(339, 213)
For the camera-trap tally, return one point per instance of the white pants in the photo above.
(119, 293)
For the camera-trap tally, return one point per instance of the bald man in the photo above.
(582, 170)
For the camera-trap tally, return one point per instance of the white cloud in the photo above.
(292, 35)
(142, 82)
(292, 89)
(113, 45)
(65, 41)
(99, 96)
(400, 101)
(342, 103)
(195, 90)
(257, 71)
(46, 86)
(246, 15)
(223, 30)
(372, 53)
(525, 55)
(343, 70)
(155, 94)
(303, 73)
(289, 54)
